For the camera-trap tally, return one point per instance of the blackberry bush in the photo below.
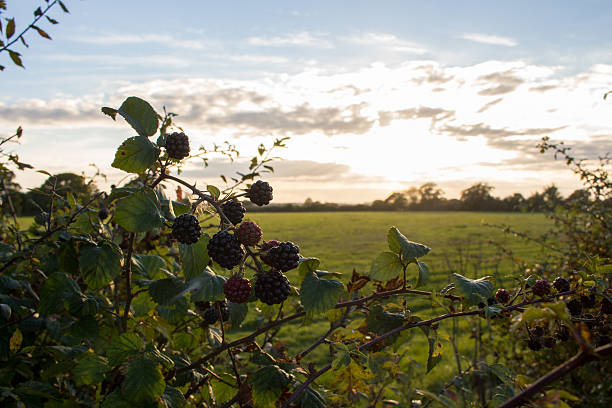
(272, 287)
(177, 145)
(224, 249)
(186, 229)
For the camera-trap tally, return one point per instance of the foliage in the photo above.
(112, 311)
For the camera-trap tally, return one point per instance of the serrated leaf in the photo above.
(441, 399)
(139, 212)
(310, 399)
(474, 291)
(149, 265)
(318, 295)
(166, 291)
(91, 369)
(380, 321)
(122, 347)
(386, 266)
(238, 312)
(423, 275)
(173, 398)
(140, 115)
(58, 288)
(433, 358)
(143, 381)
(116, 400)
(135, 155)
(15, 341)
(207, 287)
(268, 383)
(398, 243)
(99, 265)
(194, 257)
(110, 112)
(214, 191)
(306, 266)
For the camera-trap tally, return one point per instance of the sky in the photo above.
(375, 96)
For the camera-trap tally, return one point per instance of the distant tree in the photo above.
(535, 202)
(412, 194)
(62, 184)
(478, 197)
(514, 202)
(430, 196)
(552, 196)
(397, 201)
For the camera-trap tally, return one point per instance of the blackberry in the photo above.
(225, 315)
(249, 233)
(267, 245)
(202, 306)
(575, 307)
(284, 256)
(587, 301)
(534, 344)
(502, 296)
(211, 315)
(177, 145)
(234, 211)
(561, 284)
(538, 331)
(260, 193)
(237, 289)
(549, 342)
(541, 288)
(491, 301)
(271, 287)
(606, 306)
(103, 214)
(186, 229)
(562, 333)
(224, 249)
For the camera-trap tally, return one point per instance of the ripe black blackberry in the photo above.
(541, 288)
(225, 315)
(234, 211)
(606, 306)
(260, 193)
(202, 306)
(502, 296)
(103, 214)
(575, 307)
(249, 233)
(177, 145)
(562, 333)
(211, 315)
(284, 256)
(237, 289)
(538, 331)
(561, 284)
(534, 344)
(587, 301)
(186, 229)
(549, 342)
(224, 249)
(271, 287)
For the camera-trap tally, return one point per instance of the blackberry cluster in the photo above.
(103, 214)
(177, 145)
(502, 296)
(561, 284)
(260, 193)
(186, 229)
(541, 288)
(210, 314)
(562, 333)
(225, 249)
(237, 289)
(534, 344)
(284, 256)
(234, 211)
(249, 233)
(575, 307)
(271, 287)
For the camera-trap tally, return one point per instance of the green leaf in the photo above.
(10, 28)
(195, 257)
(310, 398)
(319, 295)
(423, 275)
(306, 266)
(15, 341)
(238, 312)
(207, 287)
(58, 288)
(100, 265)
(166, 291)
(398, 243)
(139, 212)
(91, 369)
(386, 266)
(116, 400)
(214, 337)
(433, 358)
(441, 399)
(16, 57)
(135, 155)
(173, 398)
(143, 381)
(122, 347)
(474, 291)
(140, 115)
(149, 265)
(214, 191)
(379, 321)
(268, 384)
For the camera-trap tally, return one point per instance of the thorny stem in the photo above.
(229, 349)
(127, 267)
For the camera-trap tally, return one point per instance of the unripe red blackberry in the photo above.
(237, 289)
(103, 214)
(211, 315)
(541, 288)
(249, 233)
(502, 296)
(267, 245)
(534, 344)
(271, 287)
(224, 249)
(561, 284)
(177, 145)
(260, 193)
(606, 306)
(562, 333)
(284, 256)
(186, 229)
(234, 211)
(549, 342)
(575, 307)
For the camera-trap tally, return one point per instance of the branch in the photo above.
(128, 280)
(305, 384)
(580, 359)
(5, 48)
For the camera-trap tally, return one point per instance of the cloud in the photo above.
(504, 82)
(489, 104)
(422, 112)
(301, 39)
(386, 41)
(160, 39)
(490, 39)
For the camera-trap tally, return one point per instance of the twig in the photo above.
(28, 27)
(229, 349)
(305, 384)
(128, 280)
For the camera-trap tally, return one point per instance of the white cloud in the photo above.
(490, 39)
(121, 39)
(387, 41)
(301, 39)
